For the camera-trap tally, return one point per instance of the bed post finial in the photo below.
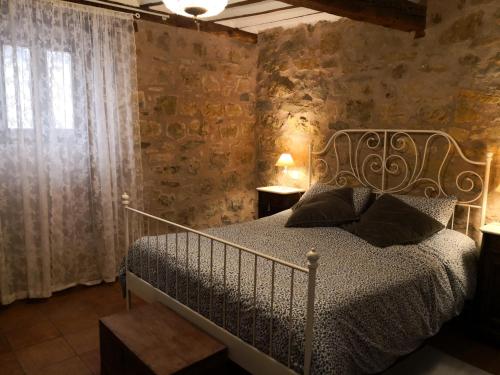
(125, 199)
(312, 264)
(312, 258)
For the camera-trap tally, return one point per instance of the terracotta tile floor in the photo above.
(462, 341)
(60, 335)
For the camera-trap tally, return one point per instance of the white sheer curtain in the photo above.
(68, 142)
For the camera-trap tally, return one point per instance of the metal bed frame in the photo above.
(400, 165)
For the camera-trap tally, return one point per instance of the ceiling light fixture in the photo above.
(196, 8)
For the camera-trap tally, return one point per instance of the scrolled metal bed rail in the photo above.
(398, 161)
(267, 364)
(400, 164)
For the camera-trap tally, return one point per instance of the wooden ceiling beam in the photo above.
(176, 20)
(153, 4)
(254, 14)
(211, 27)
(243, 3)
(395, 14)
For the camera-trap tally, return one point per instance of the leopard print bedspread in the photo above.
(372, 305)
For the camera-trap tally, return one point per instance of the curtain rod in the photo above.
(135, 10)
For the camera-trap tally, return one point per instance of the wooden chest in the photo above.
(152, 339)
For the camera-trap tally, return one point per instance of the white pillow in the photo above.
(360, 195)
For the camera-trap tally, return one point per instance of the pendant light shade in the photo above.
(196, 8)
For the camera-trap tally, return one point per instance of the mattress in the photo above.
(373, 305)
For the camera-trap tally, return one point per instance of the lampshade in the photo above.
(285, 160)
(196, 8)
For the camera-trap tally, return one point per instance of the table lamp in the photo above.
(285, 161)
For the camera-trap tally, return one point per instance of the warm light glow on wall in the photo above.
(296, 134)
(296, 174)
(285, 160)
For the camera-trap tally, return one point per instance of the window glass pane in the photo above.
(17, 77)
(61, 88)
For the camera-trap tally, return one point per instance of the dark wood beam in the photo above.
(149, 5)
(395, 14)
(243, 3)
(283, 19)
(211, 27)
(254, 14)
(177, 21)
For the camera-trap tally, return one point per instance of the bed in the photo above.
(276, 310)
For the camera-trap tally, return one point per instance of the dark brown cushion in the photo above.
(390, 221)
(328, 209)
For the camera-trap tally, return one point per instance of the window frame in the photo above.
(37, 55)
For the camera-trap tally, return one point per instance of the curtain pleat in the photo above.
(69, 144)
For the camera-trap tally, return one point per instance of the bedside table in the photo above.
(273, 199)
(488, 291)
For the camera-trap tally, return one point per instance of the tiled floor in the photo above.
(431, 361)
(60, 335)
(461, 341)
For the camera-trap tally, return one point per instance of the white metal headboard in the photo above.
(403, 161)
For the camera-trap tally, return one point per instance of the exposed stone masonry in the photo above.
(314, 80)
(216, 113)
(197, 100)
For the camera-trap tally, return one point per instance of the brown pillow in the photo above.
(390, 221)
(328, 209)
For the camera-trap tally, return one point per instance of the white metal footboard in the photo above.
(241, 352)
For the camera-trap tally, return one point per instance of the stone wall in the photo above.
(314, 80)
(197, 100)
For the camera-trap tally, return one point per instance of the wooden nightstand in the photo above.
(273, 199)
(488, 291)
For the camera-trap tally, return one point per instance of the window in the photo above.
(19, 85)
(61, 88)
(17, 78)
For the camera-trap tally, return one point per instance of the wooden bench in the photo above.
(152, 339)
